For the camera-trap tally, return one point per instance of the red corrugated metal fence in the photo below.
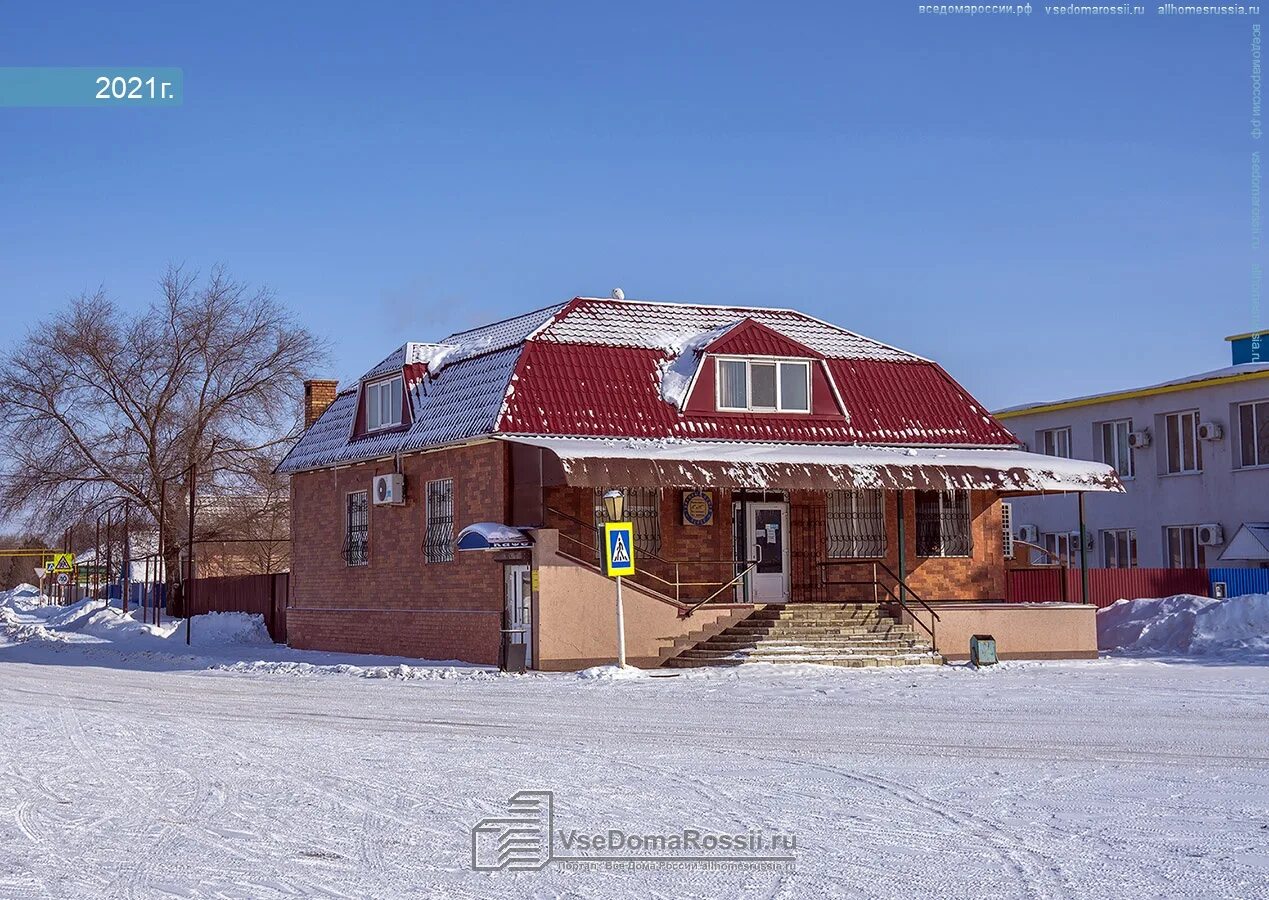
(1105, 586)
(264, 595)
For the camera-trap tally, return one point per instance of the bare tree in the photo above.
(102, 403)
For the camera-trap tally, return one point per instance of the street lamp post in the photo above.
(614, 509)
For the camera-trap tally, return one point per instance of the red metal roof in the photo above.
(595, 391)
(622, 369)
(752, 338)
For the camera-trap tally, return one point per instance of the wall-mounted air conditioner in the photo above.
(389, 489)
(1210, 431)
(1029, 534)
(1139, 440)
(1211, 535)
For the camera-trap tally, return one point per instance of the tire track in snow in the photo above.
(192, 831)
(1032, 869)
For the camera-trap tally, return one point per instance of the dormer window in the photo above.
(383, 403)
(749, 384)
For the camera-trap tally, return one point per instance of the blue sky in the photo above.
(1048, 206)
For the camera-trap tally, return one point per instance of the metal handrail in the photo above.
(678, 584)
(895, 595)
(739, 577)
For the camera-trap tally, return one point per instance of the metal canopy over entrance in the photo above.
(603, 462)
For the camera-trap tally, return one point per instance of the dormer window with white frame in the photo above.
(756, 384)
(383, 403)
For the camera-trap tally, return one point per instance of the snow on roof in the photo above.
(606, 368)
(666, 326)
(678, 368)
(760, 465)
(461, 405)
(1188, 381)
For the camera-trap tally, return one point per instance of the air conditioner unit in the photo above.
(1210, 431)
(389, 489)
(1029, 534)
(1139, 440)
(1211, 535)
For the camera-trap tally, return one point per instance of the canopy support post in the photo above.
(1083, 552)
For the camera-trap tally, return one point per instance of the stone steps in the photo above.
(855, 635)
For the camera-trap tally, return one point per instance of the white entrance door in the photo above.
(768, 534)
(519, 617)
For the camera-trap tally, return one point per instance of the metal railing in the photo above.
(879, 587)
(669, 586)
(739, 577)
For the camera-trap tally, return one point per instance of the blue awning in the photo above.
(493, 536)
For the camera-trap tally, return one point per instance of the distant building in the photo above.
(1193, 454)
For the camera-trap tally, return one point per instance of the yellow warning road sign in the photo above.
(619, 549)
(62, 562)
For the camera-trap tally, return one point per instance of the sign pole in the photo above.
(621, 628)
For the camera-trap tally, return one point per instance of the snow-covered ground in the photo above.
(131, 766)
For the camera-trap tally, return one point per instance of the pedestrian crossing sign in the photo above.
(619, 549)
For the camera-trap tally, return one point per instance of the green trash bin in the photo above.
(982, 650)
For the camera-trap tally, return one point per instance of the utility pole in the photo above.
(189, 583)
(127, 554)
(162, 558)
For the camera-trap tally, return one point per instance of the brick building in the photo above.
(765, 458)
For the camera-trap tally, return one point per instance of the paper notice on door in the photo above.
(771, 533)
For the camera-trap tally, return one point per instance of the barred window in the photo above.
(357, 528)
(643, 508)
(943, 524)
(856, 524)
(438, 546)
(1006, 528)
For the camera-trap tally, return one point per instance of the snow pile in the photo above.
(1187, 625)
(611, 673)
(32, 629)
(398, 672)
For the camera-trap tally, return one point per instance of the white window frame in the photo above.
(1200, 551)
(1261, 460)
(1130, 536)
(1042, 439)
(375, 391)
(1006, 528)
(749, 362)
(1062, 551)
(1124, 451)
(1180, 416)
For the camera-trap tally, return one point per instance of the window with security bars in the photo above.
(438, 545)
(943, 523)
(642, 509)
(1006, 528)
(856, 524)
(357, 528)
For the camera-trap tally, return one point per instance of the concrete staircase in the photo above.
(837, 634)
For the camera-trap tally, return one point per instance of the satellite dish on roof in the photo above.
(618, 294)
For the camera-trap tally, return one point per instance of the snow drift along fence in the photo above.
(263, 595)
(1105, 586)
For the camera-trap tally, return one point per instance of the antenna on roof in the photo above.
(618, 294)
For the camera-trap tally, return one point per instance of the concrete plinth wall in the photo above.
(1021, 630)
(575, 615)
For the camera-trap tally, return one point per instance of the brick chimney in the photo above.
(318, 394)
